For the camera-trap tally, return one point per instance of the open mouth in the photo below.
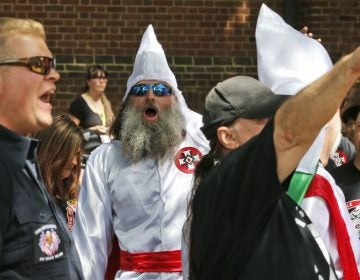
(151, 114)
(46, 97)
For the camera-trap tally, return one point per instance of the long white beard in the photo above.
(156, 140)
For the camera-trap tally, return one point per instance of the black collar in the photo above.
(16, 148)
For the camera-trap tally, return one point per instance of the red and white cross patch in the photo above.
(187, 158)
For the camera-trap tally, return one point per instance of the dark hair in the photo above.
(115, 126)
(350, 113)
(206, 164)
(57, 144)
(93, 71)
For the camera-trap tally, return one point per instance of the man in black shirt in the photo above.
(344, 153)
(347, 177)
(243, 225)
(348, 118)
(34, 241)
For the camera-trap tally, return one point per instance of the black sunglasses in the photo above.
(143, 89)
(38, 64)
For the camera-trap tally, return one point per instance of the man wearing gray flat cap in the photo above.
(244, 221)
(224, 104)
(242, 224)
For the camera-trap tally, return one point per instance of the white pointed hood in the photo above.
(287, 62)
(150, 62)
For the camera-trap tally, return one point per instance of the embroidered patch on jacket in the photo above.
(187, 158)
(47, 244)
(353, 207)
(339, 158)
(71, 206)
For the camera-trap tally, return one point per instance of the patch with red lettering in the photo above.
(47, 243)
(354, 210)
(71, 206)
(340, 158)
(187, 158)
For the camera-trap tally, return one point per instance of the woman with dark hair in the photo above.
(59, 157)
(92, 110)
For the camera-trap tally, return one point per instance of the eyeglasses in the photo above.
(98, 78)
(38, 64)
(143, 89)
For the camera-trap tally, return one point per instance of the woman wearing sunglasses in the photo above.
(92, 110)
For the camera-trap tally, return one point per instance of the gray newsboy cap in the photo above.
(238, 97)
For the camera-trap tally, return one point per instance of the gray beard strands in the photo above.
(156, 140)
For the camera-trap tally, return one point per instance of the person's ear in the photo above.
(227, 137)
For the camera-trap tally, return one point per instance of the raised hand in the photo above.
(305, 31)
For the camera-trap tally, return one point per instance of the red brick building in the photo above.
(205, 41)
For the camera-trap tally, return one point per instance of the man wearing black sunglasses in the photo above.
(136, 187)
(34, 241)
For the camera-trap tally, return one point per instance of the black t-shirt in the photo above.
(81, 110)
(344, 153)
(347, 177)
(244, 226)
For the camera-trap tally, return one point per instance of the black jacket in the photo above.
(34, 240)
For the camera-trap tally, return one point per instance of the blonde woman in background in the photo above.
(92, 110)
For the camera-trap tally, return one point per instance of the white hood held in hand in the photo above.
(150, 63)
(288, 61)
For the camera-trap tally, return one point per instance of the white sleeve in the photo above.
(93, 230)
(317, 210)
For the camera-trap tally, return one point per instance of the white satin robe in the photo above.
(317, 210)
(144, 204)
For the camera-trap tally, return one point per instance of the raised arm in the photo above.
(300, 119)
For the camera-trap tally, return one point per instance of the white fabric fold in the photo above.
(287, 62)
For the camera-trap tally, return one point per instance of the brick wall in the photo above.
(205, 41)
(338, 23)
